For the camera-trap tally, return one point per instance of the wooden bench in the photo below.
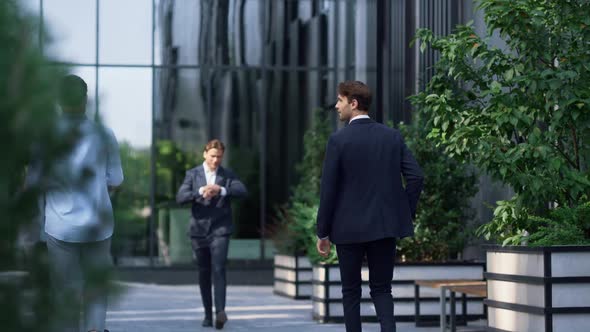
(479, 289)
(443, 285)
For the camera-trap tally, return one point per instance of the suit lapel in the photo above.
(220, 177)
(201, 178)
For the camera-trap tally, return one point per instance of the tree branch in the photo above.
(576, 148)
(558, 147)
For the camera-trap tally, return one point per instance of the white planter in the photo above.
(327, 291)
(545, 289)
(292, 276)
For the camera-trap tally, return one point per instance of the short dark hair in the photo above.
(215, 144)
(72, 91)
(356, 90)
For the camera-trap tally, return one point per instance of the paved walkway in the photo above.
(158, 308)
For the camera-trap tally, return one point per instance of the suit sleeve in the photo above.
(413, 175)
(235, 188)
(328, 189)
(186, 193)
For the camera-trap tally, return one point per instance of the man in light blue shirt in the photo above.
(78, 212)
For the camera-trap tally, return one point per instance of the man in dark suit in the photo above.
(363, 205)
(210, 188)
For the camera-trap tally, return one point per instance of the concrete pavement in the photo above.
(159, 308)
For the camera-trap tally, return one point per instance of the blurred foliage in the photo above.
(440, 225)
(294, 230)
(29, 136)
(522, 113)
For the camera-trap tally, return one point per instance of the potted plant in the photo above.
(522, 115)
(293, 232)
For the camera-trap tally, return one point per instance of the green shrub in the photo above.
(294, 230)
(440, 225)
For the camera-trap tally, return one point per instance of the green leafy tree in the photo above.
(521, 114)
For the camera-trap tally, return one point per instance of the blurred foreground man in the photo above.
(79, 216)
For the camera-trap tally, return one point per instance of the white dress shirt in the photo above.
(362, 116)
(78, 207)
(211, 176)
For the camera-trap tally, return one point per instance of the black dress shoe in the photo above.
(220, 320)
(207, 322)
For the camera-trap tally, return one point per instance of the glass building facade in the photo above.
(168, 75)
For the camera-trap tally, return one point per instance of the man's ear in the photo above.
(354, 104)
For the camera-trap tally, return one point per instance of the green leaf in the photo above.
(509, 74)
(496, 87)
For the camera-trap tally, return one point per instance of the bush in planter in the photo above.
(294, 231)
(440, 225)
(521, 114)
(563, 226)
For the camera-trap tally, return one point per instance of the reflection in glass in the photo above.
(72, 30)
(125, 32)
(125, 107)
(126, 103)
(225, 32)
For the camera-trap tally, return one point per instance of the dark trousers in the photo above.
(380, 257)
(211, 260)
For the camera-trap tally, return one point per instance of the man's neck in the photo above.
(357, 114)
(209, 169)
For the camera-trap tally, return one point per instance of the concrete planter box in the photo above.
(327, 291)
(545, 289)
(292, 276)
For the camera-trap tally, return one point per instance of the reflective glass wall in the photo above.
(169, 75)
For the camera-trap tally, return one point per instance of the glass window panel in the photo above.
(250, 25)
(71, 26)
(157, 35)
(234, 102)
(125, 32)
(181, 133)
(187, 32)
(125, 107)
(126, 103)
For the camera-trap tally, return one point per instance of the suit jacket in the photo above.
(362, 198)
(213, 216)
